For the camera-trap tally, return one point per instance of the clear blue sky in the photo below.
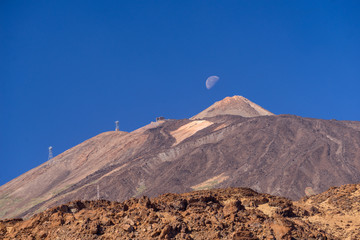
(69, 69)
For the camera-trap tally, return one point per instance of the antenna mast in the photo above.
(116, 125)
(50, 153)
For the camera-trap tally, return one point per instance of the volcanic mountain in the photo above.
(234, 143)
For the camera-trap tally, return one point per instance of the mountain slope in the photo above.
(67, 169)
(282, 155)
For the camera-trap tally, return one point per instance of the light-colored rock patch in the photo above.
(211, 183)
(188, 130)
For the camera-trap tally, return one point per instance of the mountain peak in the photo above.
(236, 105)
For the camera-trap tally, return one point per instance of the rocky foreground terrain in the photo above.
(231, 213)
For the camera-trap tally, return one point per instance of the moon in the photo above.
(211, 81)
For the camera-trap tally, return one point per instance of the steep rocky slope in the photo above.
(282, 155)
(233, 213)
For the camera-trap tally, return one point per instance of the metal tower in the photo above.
(116, 125)
(50, 153)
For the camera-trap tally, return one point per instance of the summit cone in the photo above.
(236, 105)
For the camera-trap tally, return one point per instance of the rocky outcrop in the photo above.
(337, 211)
(233, 213)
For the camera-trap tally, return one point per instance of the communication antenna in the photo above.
(50, 153)
(116, 125)
(98, 192)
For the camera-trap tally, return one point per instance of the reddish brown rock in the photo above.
(210, 214)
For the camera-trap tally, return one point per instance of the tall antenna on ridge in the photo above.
(116, 125)
(50, 153)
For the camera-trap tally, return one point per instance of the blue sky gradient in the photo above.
(69, 69)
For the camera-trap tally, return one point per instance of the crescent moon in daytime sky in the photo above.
(211, 81)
